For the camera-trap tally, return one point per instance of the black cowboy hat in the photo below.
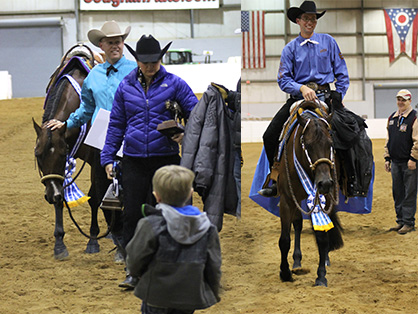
(148, 49)
(305, 7)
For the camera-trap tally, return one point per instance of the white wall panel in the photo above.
(269, 73)
(337, 22)
(36, 5)
(334, 4)
(274, 46)
(254, 93)
(354, 66)
(390, 3)
(274, 23)
(374, 21)
(375, 44)
(403, 68)
(267, 5)
(347, 44)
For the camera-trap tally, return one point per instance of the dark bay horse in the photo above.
(309, 147)
(52, 147)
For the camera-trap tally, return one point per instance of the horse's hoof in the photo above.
(300, 271)
(119, 258)
(62, 255)
(92, 248)
(321, 282)
(286, 276)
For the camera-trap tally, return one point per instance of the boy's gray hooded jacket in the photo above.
(178, 260)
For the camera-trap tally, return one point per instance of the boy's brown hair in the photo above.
(173, 184)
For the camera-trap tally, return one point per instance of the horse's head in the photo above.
(316, 143)
(50, 153)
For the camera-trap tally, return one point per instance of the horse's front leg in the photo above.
(323, 248)
(284, 242)
(93, 245)
(60, 250)
(297, 253)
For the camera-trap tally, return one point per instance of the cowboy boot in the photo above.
(271, 191)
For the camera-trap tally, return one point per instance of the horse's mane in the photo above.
(55, 92)
(53, 100)
(318, 134)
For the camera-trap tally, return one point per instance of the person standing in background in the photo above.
(401, 155)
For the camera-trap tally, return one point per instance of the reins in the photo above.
(60, 177)
(109, 228)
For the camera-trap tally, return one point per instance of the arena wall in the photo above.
(205, 29)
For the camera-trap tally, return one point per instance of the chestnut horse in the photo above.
(52, 147)
(308, 153)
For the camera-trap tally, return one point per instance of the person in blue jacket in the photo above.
(308, 64)
(139, 106)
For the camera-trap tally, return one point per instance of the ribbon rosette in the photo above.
(72, 192)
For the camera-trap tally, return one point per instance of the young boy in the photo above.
(175, 250)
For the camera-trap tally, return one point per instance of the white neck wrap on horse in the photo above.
(320, 220)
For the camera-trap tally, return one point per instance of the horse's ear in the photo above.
(38, 129)
(301, 120)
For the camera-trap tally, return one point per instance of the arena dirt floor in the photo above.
(375, 272)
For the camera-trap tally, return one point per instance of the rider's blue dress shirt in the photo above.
(99, 90)
(320, 61)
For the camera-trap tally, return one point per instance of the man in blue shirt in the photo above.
(308, 64)
(97, 92)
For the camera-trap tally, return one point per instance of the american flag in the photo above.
(402, 20)
(253, 40)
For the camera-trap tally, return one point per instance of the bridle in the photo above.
(329, 161)
(50, 176)
(334, 199)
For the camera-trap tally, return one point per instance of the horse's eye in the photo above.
(38, 153)
(308, 146)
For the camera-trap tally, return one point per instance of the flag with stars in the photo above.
(402, 41)
(253, 40)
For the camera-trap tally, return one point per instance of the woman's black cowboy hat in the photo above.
(148, 49)
(305, 7)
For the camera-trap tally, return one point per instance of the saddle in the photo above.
(78, 55)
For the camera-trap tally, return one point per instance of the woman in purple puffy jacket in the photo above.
(139, 106)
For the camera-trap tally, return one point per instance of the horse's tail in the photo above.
(335, 234)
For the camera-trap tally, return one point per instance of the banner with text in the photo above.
(90, 5)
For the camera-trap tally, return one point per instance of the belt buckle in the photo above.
(312, 85)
